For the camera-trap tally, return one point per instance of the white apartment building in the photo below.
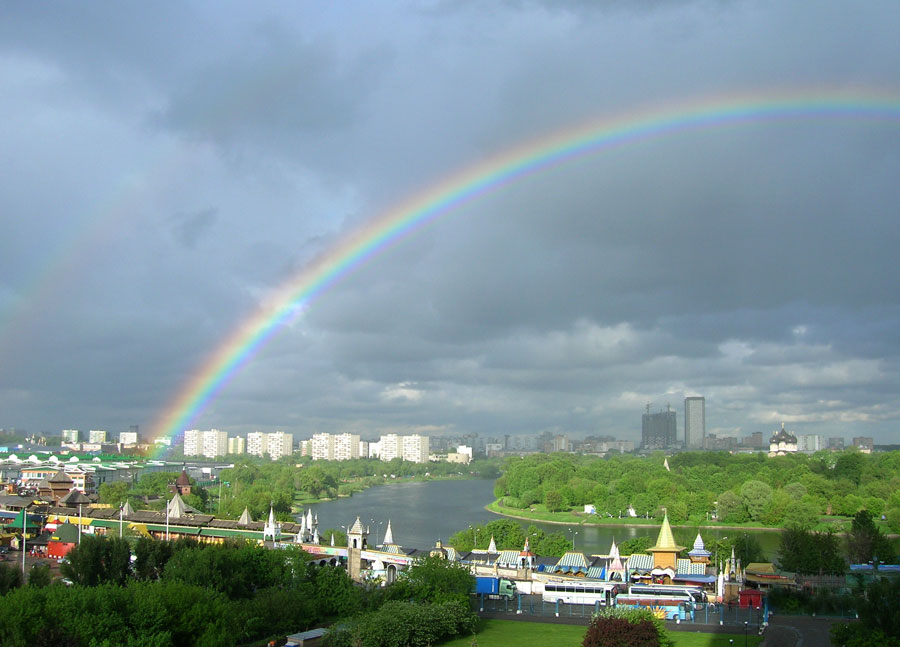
(389, 447)
(128, 438)
(214, 443)
(256, 443)
(346, 447)
(211, 444)
(192, 442)
(70, 435)
(363, 449)
(96, 436)
(237, 445)
(811, 442)
(415, 448)
(322, 447)
(279, 444)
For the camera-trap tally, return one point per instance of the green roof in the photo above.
(16, 523)
(223, 532)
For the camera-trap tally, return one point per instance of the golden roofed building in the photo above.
(665, 552)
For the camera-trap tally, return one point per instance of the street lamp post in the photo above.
(574, 532)
(24, 524)
(745, 633)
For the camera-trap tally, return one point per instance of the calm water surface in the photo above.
(423, 512)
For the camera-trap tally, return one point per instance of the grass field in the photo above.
(501, 633)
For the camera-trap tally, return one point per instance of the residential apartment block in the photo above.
(96, 436)
(275, 444)
(279, 444)
(211, 444)
(237, 445)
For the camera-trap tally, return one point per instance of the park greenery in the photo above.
(796, 490)
(510, 535)
(184, 593)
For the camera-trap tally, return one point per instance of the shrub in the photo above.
(622, 627)
(405, 624)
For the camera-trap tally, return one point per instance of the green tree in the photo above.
(98, 560)
(801, 514)
(865, 541)
(636, 545)
(10, 578)
(335, 593)
(436, 579)
(554, 501)
(114, 493)
(731, 508)
(39, 576)
(803, 551)
(756, 495)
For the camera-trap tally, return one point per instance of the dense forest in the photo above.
(793, 490)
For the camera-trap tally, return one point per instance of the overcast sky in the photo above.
(165, 167)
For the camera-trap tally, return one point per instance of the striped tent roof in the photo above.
(687, 567)
(639, 562)
(508, 558)
(571, 559)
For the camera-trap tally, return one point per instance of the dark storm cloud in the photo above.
(753, 265)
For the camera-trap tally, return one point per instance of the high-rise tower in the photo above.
(694, 422)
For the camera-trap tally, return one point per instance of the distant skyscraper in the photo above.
(694, 422)
(658, 430)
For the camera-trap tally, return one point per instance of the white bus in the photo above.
(581, 592)
(695, 593)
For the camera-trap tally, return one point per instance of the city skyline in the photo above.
(627, 205)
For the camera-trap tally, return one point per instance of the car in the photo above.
(4, 550)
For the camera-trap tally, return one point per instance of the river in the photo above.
(423, 512)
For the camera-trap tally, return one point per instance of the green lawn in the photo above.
(500, 633)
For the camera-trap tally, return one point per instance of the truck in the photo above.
(495, 587)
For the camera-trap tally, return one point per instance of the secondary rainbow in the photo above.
(490, 175)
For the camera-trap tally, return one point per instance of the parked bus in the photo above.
(671, 605)
(697, 594)
(581, 592)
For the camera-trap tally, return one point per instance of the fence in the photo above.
(751, 618)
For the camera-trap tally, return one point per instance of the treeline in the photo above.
(257, 483)
(174, 593)
(510, 535)
(181, 594)
(793, 490)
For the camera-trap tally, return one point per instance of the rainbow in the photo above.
(490, 175)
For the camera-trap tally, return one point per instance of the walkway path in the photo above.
(798, 631)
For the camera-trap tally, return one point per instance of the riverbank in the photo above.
(571, 518)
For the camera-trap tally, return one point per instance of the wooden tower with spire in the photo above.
(665, 552)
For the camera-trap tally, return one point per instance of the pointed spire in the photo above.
(356, 528)
(614, 550)
(272, 528)
(245, 519)
(492, 547)
(176, 507)
(666, 541)
(332, 539)
(388, 535)
(309, 519)
(666, 464)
